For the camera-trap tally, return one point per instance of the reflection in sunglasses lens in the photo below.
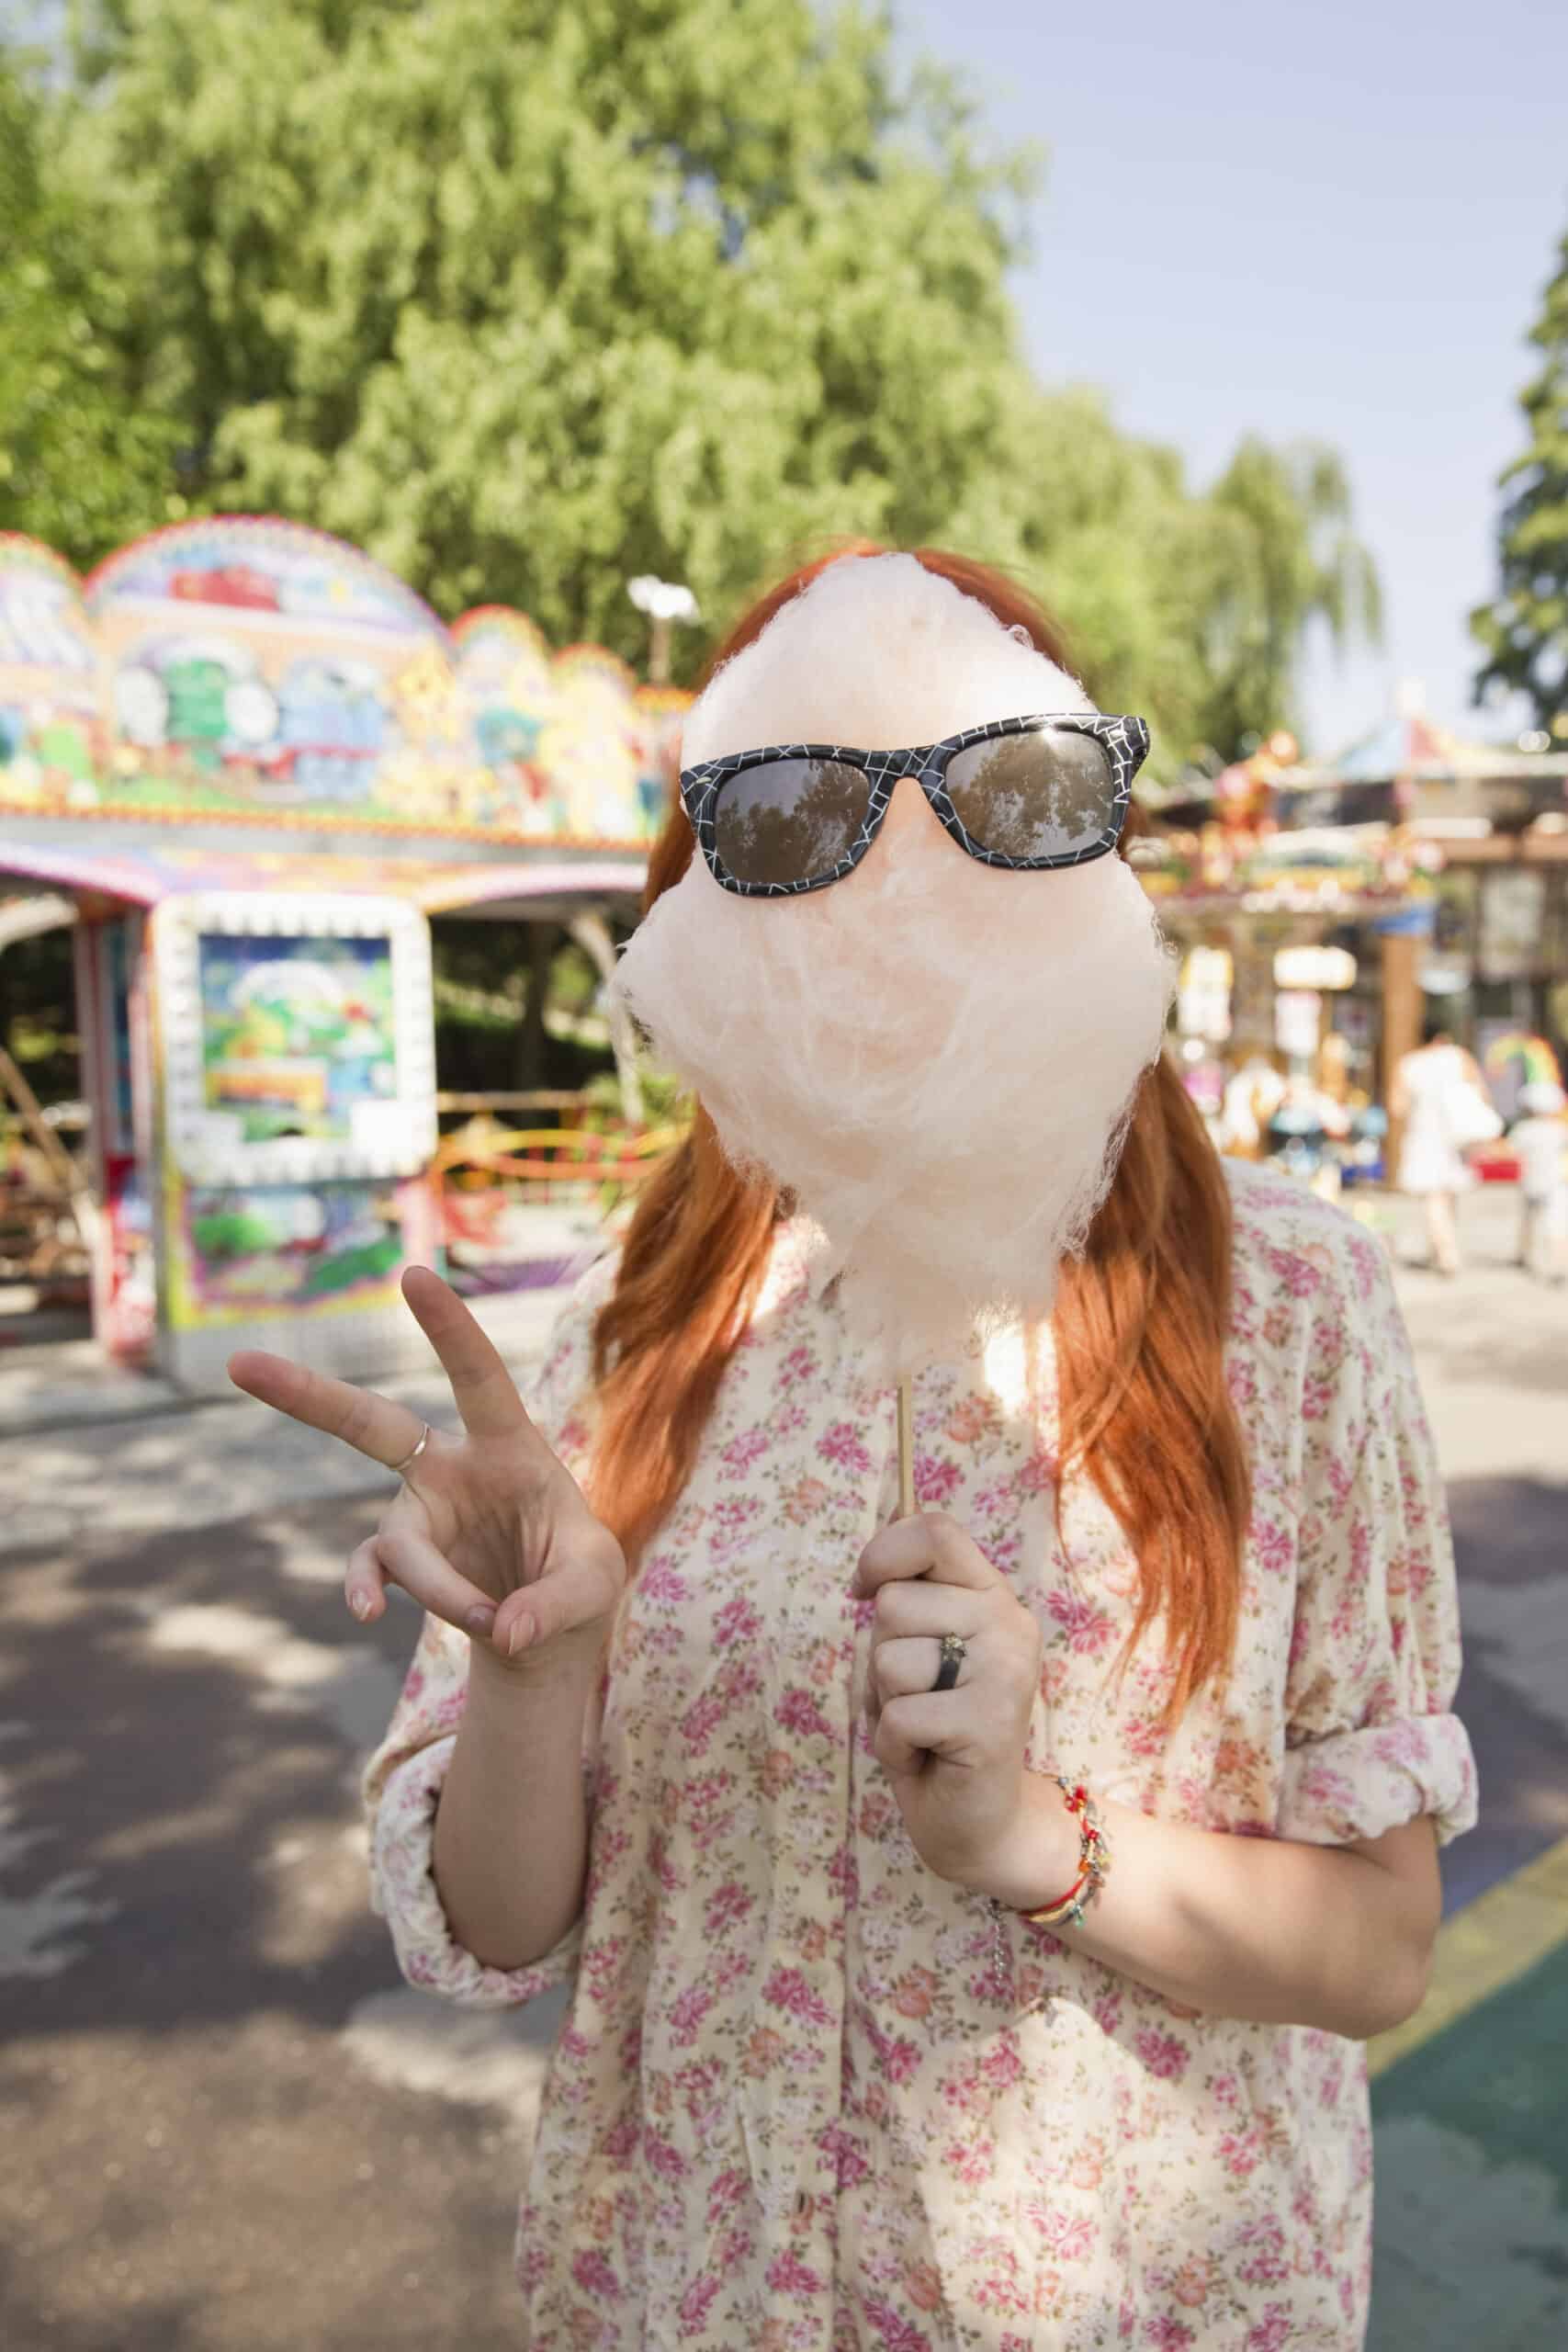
(789, 821)
(1046, 795)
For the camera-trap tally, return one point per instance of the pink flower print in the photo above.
(592, 2273)
(664, 2159)
(736, 1622)
(1273, 2330)
(1298, 1277)
(803, 1499)
(840, 1444)
(1190, 2285)
(1038, 1474)
(1069, 2237)
(972, 1419)
(787, 2275)
(1161, 2053)
(800, 1364)
(843, 2152)
(687, 2011)
(702, 1719)
(1275, 1547)
(788, 1989)
(778, 1771)
(935, 1481)
(1169, 2334)
(742, 1450)
(1088, 1629)
(659, 1579)
(697, 2300)
(843, 1876)
(725, 2192)
(894, 2332)
(1240, 2152)
(798, 1712)
(735, 1513)
(1001, 2066)
(726, 1907)
(896, 2059)
(972, 2161)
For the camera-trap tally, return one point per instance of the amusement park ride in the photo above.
(246, 765)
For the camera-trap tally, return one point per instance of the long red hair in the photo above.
(1139, 1322)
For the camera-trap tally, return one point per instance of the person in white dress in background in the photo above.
(1541, 1139)
(1432, 1166)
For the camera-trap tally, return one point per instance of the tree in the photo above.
(1525, 631)
(528, 300)
(81, 465)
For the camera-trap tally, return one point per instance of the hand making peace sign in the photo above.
(488, 1531)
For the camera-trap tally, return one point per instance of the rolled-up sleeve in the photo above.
(1371, 1738)
(403, 1780)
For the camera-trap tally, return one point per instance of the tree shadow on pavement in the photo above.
(194, 2160)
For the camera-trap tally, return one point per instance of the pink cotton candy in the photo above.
(937, 1057)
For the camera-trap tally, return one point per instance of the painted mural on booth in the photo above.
(243, 668)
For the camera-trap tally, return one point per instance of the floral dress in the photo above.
(810, 2097)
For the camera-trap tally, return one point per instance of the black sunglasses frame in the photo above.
(1125, 742)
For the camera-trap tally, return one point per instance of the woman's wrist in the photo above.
(570, 1657)
(1036, 1862)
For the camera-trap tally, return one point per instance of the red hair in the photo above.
(1139, 1323)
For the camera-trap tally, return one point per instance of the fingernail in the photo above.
(521, 1633)
(479, 1621)
(360, 1604)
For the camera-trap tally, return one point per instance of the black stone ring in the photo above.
(954, 1650)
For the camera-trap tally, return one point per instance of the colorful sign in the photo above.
(297, 1037)
(287, 1246)
(296, 1033)
(245, 669)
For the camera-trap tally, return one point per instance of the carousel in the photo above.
(246, 767)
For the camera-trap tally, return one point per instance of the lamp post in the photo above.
(665, 602)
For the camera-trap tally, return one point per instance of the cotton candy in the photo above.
(936, 1057)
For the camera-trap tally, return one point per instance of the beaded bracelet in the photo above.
(1094, 1862)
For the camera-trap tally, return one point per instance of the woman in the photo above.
(824, 2084)
(1432, 1166)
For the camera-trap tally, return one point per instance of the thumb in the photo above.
(583, 1579)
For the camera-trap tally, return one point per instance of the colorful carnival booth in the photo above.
(1327, 908)
(248, 765)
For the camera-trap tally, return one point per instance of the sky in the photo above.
(1328, 221)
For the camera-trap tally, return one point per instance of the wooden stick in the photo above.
(906, 1451)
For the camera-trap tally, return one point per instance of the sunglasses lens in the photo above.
(1051, 794)
(789, 821)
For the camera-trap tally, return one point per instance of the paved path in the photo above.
(232, 2129)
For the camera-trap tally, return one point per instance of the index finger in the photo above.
(373, 1425)
(930, 1544)
(484, 1391)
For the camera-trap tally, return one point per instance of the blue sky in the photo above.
(1331, 220)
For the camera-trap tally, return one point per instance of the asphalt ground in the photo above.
(231, 2128)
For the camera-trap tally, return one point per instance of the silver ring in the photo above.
(954, 1650)
(400, 1468)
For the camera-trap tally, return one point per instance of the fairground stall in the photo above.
(1326, 910)
(248, 765)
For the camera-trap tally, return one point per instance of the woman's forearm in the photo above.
(511, 1824)
(1261, 1928)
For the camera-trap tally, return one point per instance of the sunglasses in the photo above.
(1027, 793)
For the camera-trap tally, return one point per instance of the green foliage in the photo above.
(83, 464)
(1525, 631)
(527, 298)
